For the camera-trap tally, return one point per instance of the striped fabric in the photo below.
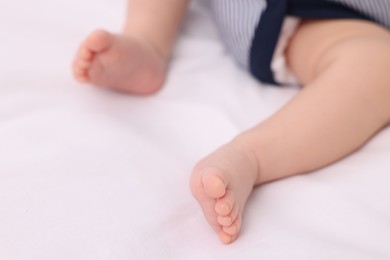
(377, 10)
(237, 20)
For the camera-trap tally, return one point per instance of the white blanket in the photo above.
(91, 174)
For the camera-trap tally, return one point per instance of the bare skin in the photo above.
(106, 60)
(136, 60)
(338, 110)
(321, 125)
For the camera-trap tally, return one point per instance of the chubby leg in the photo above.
(343, 65)
(134, 61)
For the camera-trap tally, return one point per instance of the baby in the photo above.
(337, 50)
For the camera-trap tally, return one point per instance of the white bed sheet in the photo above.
(91, 174)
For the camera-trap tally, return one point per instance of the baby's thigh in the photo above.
(318, 43)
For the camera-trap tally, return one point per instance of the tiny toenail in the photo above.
(226, 239)
(228, 220)
(231, 230)
(224, 209)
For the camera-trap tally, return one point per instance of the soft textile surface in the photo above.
(91, 174)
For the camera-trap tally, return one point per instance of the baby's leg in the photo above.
(343, 65)
(134, 61)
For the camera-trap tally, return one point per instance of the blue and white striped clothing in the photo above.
(251, 28)
(237, 20)
(377, 10)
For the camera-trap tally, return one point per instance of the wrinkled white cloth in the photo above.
(91, 174)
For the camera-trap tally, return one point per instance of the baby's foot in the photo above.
(222, 183)
(119, 62)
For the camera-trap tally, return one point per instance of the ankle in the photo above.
(146, 41)
(249, 160)
(258, 147)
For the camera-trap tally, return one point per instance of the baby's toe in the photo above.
(228, 220)
(225, 205)
(226, 238)
(213, 183)
(80, 74)
(85, 54)
(234, 228)
(83, 64)
(225, 221)
(99, 41)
